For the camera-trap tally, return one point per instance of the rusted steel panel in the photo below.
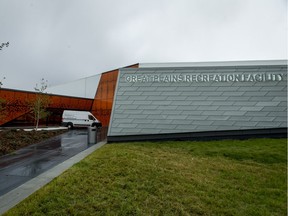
(104, 97)
(16, 104)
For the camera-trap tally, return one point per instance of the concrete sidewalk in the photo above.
(12, 198)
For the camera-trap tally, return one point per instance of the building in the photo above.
(93, 94)
(206, 100)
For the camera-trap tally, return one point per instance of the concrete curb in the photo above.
(12, 198)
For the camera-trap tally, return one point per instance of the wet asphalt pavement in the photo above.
(28, 162)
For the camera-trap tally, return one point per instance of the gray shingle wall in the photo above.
(159, 107)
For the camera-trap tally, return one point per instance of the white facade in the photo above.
(84, 88)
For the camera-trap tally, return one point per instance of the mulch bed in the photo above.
(12, 140)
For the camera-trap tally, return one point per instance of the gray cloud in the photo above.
(71, 39)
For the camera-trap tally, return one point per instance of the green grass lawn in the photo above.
(170, 178)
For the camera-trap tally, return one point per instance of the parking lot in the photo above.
(27, 163)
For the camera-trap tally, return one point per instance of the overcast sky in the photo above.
(65, 40)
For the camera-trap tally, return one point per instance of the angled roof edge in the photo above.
(214, 63)
(136, 65)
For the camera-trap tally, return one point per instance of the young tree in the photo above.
(2, 109)
(2, 104)
(1, 81)
(4, 44)
(41, 102)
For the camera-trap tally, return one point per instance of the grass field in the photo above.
(170, 178)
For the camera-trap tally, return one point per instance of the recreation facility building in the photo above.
(177, 101)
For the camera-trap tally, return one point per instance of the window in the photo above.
(90, 117)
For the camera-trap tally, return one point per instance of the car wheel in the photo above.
(70, 125)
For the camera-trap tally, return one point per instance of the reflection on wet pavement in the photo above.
(26, 163)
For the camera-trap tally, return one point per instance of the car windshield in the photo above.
(90, 117)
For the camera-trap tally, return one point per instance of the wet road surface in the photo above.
(28, 162)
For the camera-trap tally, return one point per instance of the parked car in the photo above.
(72, 118)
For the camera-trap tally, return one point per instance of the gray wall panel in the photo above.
(178, 107)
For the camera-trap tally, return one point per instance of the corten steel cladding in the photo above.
(104, 97)
(102, 104)
(16, 103)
